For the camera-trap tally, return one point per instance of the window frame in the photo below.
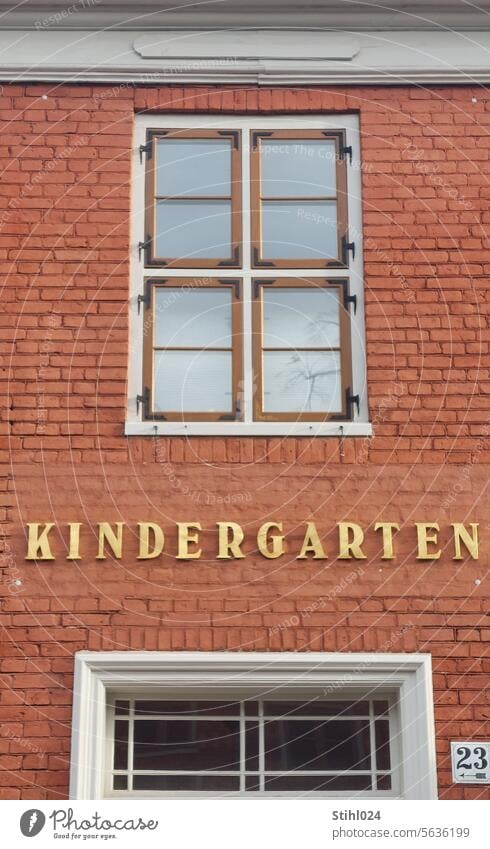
(338, 136)
(100, 674)
(136, 424)
(152, 260)
(259, 285)
(261, 773)
(235, 287)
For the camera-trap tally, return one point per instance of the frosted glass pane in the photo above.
(193, 167)
(193, 381)
(301, 318)
(299, 230)
(298, 168)
(193, 229)
(302, 382)
(192, 317)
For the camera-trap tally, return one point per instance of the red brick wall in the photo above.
(64, 230)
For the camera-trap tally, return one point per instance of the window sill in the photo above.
(258, 429)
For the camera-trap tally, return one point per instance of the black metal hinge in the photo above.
(260, 263)
(352, 400)
(143, 246)
(146, 148)
(263, 134)
(233, 134)
(228, 282)
(233, 262)
(346, 247)
(233, 417)
(259, 283)
(351, 299)
(144, 400)
(346, 150)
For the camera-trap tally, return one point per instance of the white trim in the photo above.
(394, 57)
(99, 673)
(134, 425)
(338, 429)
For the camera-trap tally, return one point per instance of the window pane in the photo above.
(312, 782)
(298, 168)
(251, 746)
(382, 730)
(316, 708)
(193, 229)
(168, 744)
(194, 167)
(299, 230)
(186, 709)
(121, 729)
(381, 708)
(302, 382)
(384, 782)
(186, 782)
(120, 782)
(301, 318)
(122, 707)
(310, 745)
(193, 381)
(192, 317)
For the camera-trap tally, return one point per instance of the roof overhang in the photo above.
(264, 42)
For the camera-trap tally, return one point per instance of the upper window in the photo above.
(248, 283)
(193, 198)
(299, 199)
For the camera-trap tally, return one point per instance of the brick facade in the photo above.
(64, 238)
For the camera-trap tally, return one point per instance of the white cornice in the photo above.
(249, 57)
(358, 15)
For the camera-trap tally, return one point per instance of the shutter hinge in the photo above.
(258, 262)
(352, 400)
(233, 417)
(234, 260)
(144, 400)
(351, 299)
(146, 148)
(143, 246)
(346, 247)
(346, 150)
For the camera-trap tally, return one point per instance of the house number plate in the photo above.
(471, 763)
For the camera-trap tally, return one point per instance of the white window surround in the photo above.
(134, 425)
(99, 674)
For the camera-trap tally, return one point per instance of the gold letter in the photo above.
(352, 548)
(228, 548)
(144, 538)
(387, 529)
(74, 544)
(423, 539)
(39, 542)
(263, 541)
(461, 535)
(185, 538)
(106, 534)
(312, 543)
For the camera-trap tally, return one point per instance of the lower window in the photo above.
(251, 746)
(226, 724)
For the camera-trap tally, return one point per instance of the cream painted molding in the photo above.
(247, 57)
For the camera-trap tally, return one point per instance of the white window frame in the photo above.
(100, 675)
(135, 425)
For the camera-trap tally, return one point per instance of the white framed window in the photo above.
(153, 724)
(246, 309)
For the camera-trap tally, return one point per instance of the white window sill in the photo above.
(137, 428)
